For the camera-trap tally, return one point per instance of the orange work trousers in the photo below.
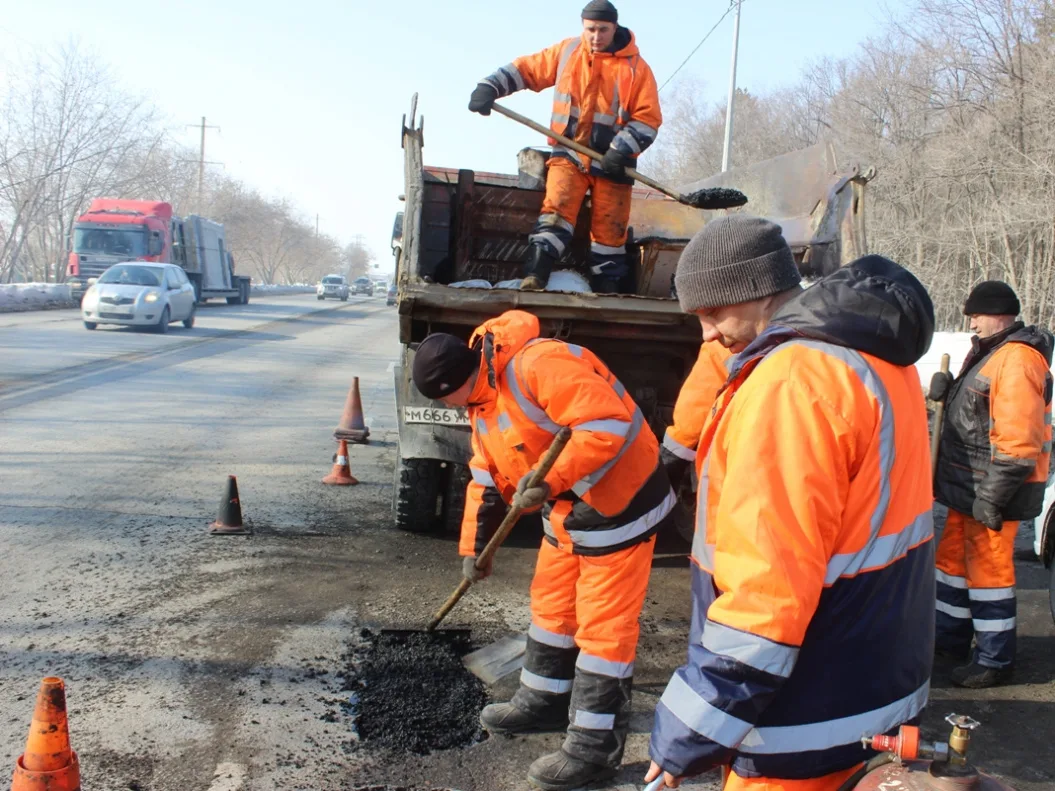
(827, 783)
(976, 590)
(566, 187)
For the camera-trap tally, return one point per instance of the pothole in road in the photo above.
(409, 691)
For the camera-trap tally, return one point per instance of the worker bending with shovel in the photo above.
(813, 556)
(993, 460)
(602, 504)
(605, 98)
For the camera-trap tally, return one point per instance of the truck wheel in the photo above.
(197, 294)
(1051, 592)
(234, 300)
(245, 293)
(458, 477)
(416, 495)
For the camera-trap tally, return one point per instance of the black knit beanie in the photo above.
(600, 11)
(734, 259)
(992, 298)
(442, 364)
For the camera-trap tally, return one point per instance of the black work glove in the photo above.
(615, 162)
(531, 498)
(675, 466)
(988, 514)
(473, 574)
(483, 98)
(939, 386)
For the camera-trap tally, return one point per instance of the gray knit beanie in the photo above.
(600, 11)
(734, 259)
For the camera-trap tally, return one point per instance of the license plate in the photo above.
(443, 417)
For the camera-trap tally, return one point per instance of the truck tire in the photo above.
(197, 293)
(246, 288)
(458, 477)
(234, 300)
(417, 493)
(1051, 592)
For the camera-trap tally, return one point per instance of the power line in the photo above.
(721, 19)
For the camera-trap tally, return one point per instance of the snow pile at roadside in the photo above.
(954, 344)
(34, 296)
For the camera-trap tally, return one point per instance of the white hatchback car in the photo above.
(140, 294)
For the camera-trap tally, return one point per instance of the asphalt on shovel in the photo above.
(502, 657)
(709, 198)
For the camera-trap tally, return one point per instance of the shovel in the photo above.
(710, 198)
(939, 416)
(502, 657)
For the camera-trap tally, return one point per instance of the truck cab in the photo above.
(115, 230)
(459, 243)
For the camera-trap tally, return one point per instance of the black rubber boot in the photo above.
(975, 676)
(538, 264)
(510, 718)
(561, 772)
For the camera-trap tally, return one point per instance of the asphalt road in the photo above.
(202, 662)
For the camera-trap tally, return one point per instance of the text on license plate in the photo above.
(426, 414)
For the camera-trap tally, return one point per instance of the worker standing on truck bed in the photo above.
(992, 466)
(605, 98)
(602, 504)
(813, 557)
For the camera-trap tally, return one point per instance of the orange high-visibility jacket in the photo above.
(996, 434)
(607, 488)
(695, 400)
(813, 575)
(601, 99)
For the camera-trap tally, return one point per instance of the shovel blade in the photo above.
(494, 662)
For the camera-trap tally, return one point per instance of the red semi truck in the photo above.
(115, 230)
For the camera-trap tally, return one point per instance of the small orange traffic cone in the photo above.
(48, 764)
(342, 472)
(229, 521)
(352, 427)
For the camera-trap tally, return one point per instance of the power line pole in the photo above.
(732, 92)
(202, 162)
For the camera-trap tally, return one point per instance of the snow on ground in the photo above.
(955, 344)
(33, 296)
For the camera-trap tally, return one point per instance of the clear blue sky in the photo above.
(309, 94)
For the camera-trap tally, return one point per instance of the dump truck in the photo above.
(116, 229)
(462, 231)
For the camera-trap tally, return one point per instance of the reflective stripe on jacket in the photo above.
(695, 400)
(812, 582)
(996, 434)
(607, 489)
(601, 99)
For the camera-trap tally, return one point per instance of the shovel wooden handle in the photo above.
(567, 142)
(504, 529)
(939, 416)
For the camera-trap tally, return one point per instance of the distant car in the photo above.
(335, 286)
(140, 294)
(390, 298)
(363, 285)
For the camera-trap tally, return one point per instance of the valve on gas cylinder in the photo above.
(918, 765)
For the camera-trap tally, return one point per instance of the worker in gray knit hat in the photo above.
(733, 274)
(821, 418)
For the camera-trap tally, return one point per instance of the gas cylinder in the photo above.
(925, 766)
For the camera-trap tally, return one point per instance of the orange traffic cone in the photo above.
(342, 472)
(352, 428)
(48, 764)
(229, 521)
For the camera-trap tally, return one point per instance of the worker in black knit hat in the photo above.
(993, 463)
(605, 98)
